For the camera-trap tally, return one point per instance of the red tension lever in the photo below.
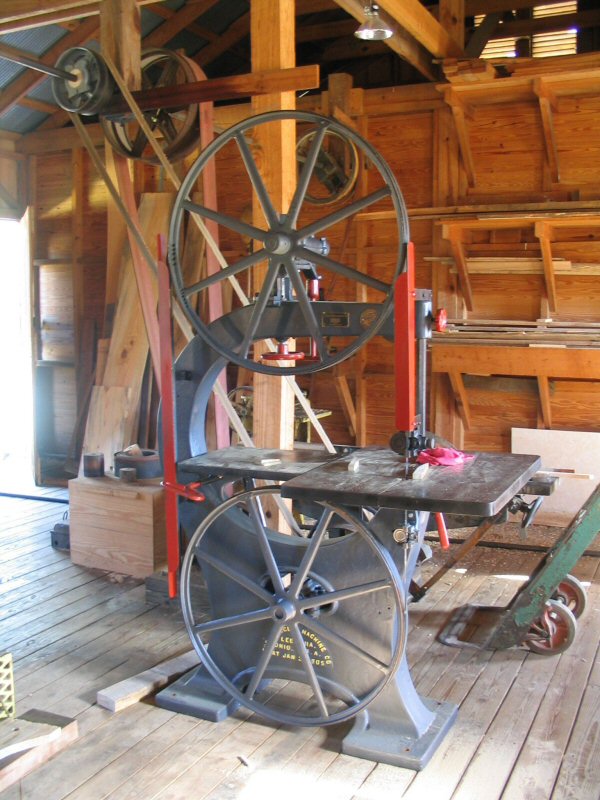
(190, 492)
(442, 530)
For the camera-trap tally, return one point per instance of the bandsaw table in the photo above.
(357, 577)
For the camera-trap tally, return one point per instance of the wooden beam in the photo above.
(482, 34)
(548, 102)
(452, 20)
(544, 234)
(402, 43)
(544, 392)
(273, 47)
(461, 397)
(18, 15)
(559, 22)
(180, 20)
(233, 87)
(460, 112)
(474, 7)
(552, 362)
(237, 31)
(456, 243)
(423, 26)
(120, 38)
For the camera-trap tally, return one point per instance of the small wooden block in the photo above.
(126, 693)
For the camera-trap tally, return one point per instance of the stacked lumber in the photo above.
(541, 333)
(114, 407)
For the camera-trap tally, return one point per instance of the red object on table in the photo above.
(443, 457)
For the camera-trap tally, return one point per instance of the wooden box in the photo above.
(117, 526)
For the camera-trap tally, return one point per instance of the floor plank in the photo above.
(527, 727)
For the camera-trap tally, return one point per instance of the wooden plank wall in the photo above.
(413, 129)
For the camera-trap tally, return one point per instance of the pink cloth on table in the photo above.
(443, 457)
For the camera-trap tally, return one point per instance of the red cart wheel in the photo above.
(570, 593)
(553, 631)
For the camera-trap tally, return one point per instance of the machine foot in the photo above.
(385, 744)
(198, 695)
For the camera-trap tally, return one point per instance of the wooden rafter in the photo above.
(548, 103)
(413, 17)
(237, 31)
(181, 19)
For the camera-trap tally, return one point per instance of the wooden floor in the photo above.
(528, 727)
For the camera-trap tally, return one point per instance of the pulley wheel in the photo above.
(273, 260)
(175, 129)
(325, 613)
(93, 87)
(336, 169)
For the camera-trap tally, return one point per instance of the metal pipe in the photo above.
(27, 61)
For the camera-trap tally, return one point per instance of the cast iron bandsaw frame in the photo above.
(325, 607)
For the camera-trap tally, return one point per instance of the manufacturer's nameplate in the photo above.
(335, 319)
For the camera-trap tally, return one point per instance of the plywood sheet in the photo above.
(577, 450)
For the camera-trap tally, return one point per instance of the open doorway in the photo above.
(16, 395)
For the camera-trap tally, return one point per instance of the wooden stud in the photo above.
(547, 103)
(273, 47)
(544, 392)
(461, 397)
(544, 234)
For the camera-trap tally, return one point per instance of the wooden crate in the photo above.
(117, 526)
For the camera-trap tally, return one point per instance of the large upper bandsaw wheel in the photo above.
(295, 271)
(323, 611)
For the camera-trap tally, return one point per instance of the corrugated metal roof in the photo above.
(34, 41)
(22, 120)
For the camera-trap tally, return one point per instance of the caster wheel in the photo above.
(571, 593)
(553, 631)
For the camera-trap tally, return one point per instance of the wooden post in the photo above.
(272, 27)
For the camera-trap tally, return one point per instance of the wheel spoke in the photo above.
(234, 575)
(165, 124)
(307, 310)
(224, 219)
(310, 671)
(342, 594)
(231, 622)
(341, 641)
(343, 213)
(227, 272)
(263, 663)
(311, 551)
(263, 541)
(257, 181)
(342, 269)
(258, 309)
(306, 175)
(168, 73)
(138, 144)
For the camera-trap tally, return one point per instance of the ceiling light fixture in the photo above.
(373, 28)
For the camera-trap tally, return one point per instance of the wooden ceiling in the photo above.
(216, 34)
